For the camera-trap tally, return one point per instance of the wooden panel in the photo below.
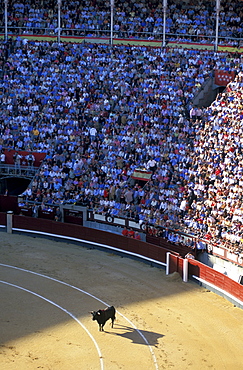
(8, 203)
(180, 265)
(173, 263)
(73, 217)
(193, 267)
(3, 218)
(25, 211)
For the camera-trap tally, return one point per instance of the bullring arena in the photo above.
(48, 289)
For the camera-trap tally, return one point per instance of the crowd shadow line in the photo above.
(135, 337)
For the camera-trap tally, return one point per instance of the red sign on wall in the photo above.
(222, 77)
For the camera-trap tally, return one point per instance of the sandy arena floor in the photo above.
(162, 323)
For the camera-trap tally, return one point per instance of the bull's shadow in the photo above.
(137, 336)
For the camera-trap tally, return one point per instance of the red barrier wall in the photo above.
(152, 251)
(102, 237)
(216, 278)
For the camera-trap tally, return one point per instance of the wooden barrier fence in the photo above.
(154, 254)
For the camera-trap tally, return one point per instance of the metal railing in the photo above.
(12, 170)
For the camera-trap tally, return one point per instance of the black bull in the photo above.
(101, 316)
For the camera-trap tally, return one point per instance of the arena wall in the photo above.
(150, 253)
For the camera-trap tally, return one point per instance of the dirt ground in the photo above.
(161, 322)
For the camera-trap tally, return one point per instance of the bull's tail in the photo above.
(114, 314)
(113, 318)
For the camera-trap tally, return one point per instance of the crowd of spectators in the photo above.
(185, 20)
(100, 113)
(215, 176)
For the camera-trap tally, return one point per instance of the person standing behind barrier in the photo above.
(35, 210)
(30, 159)
(2, 159)
(58, 215)
(17, 160)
